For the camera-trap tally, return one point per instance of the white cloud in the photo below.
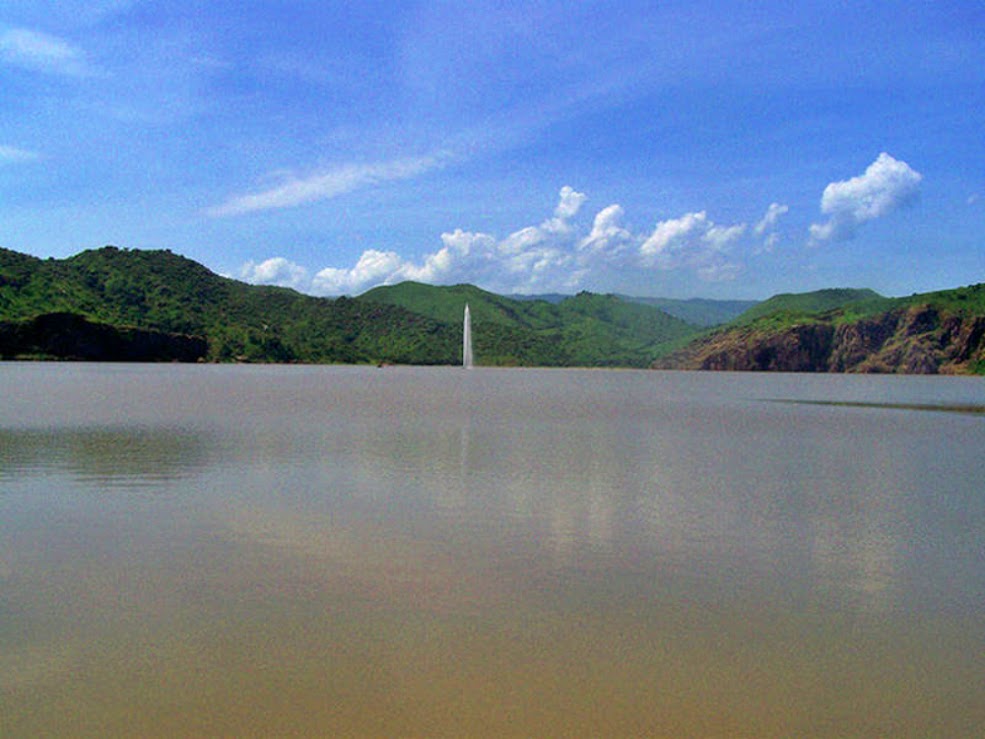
(298, 191)
(373, 268)
(542, 256)
(886, 185)
(766, 227)
(769, 220)
(821, 232)
(13, 155)
(569, 204)
(720, 238)
(532, 258)
(606, 236)
(468, 243)
(696, 243)
(522, 240)
(41, 52)
(672, 235)
(464, 256)
(555, 256)
(276, 271)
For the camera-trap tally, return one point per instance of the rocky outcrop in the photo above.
(914, 340)
(802, 348)
(70, 336)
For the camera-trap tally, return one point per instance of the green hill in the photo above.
(130, 301)
(136, 305)
(447, 303)
(581, 330)
(161, 291)
(799, 304)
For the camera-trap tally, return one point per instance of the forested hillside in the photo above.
(132, 305)
(162, 291)
(157, 291)
(584, 330)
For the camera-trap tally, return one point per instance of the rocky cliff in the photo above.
(916, 339)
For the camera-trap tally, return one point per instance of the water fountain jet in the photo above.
(467, 339)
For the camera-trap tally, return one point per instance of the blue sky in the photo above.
(679, 149)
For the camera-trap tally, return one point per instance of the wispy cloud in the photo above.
(766, 228)
(14, 155)
(770, 219)
(42, 52)
(887, 185)
(326, 185)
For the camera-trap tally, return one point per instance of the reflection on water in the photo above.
(103, 457)
(435, 552)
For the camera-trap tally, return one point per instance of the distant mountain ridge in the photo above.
(698, 311)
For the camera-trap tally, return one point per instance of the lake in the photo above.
(278, 550)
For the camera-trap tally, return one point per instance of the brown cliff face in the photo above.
(802, 348)
(914, 340)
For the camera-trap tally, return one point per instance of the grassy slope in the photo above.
(802, 304)
(846, 305)
(584, 330)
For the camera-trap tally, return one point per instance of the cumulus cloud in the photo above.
(556, 255)
(720, 237)
(569, 204)
(887, 185)
(276, 271)
(534, 257)
(373, 268)
(693, 241)
(41, 52)
(672, 236)
(541, 257)
(326, 185)
(607, 236)
(463, 256)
